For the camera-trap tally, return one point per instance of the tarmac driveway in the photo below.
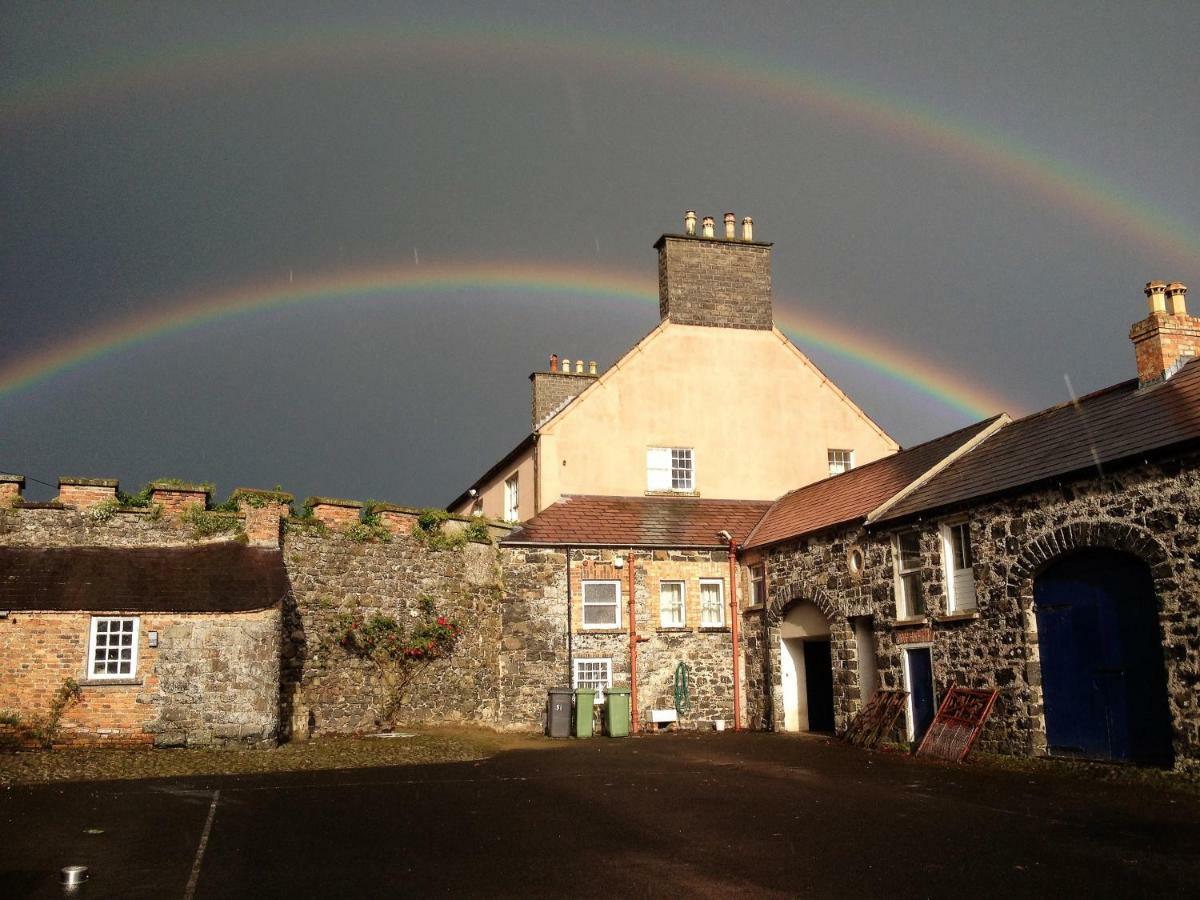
(672, 815)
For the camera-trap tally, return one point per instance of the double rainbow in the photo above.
(419, 282)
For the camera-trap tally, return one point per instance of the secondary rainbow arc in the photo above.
(946, 387)
(1098, 201)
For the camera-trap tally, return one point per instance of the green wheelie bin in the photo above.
(616, 711)
(585, 699)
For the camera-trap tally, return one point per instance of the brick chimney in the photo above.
(718, 282)
(552, 389)
(1168, 337)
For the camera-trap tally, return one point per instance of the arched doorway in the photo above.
(1103, 679)
(806, 668)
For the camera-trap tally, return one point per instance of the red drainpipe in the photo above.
(633, 642)
(736, 634)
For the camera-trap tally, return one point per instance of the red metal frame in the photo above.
(958, 722)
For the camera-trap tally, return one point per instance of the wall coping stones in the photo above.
(188, 487)
(277, 496)
(333, 501)
(392, 507)
(12, 479)
(88, 482)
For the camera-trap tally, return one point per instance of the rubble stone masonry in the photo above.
(1151, 510)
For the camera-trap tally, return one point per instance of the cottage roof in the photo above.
(223, 577)
(854, 494)
(1100, 429)
(639, 522)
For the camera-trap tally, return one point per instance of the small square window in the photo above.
(112, 648)
(840, 461)
(602, 604)
(670, 469)
(671, 608)
(712, 603)
(595, 674)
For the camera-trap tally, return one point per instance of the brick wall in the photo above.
(1160, 341)
(705, 281)
(82, 494)
(212, 679)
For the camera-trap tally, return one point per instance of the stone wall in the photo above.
(706, 281)
(537, 653)
(551, 389)
(326, 689)
(1151, 511)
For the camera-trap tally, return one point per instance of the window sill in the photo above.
(911, 620)
(111, 682)
(601, 631)
(714, 629)
(672, 493)
(967, 615)
(673, 629)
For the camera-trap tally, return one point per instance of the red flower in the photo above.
(441, 620)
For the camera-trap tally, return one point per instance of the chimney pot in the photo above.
(709, 222)
(566, 366)
(747, 229)
(689, 222)
(592, 367)
(553, 362)
(579, 367)
(1156, 295)
(1177, 294)
(730, 226)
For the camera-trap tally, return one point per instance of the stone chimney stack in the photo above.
(1164, 341)
(552, 389)
(715, 282)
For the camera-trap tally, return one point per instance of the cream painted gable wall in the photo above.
(758, 415)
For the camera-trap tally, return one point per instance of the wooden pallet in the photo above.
(876, 719)
(959, 720)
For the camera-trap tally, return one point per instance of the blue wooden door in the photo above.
(920, 687)
(1103, 679)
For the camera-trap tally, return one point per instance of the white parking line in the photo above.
(190, 891)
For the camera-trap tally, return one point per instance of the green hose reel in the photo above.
(683, 700)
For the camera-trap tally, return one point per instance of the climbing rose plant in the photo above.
(397, 655)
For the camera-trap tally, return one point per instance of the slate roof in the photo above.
(854, 494)
(591, 521)
(224, 577)
(1103, 428)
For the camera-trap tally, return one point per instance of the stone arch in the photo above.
(1046, 547)
(842, 648)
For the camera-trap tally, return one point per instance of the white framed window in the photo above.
(670, 469)
(959, 565)
(671, 604)
(602, 604)
(595, 674)
(512, 498)
(712, 602)
(840, 461)
(906, 557)
(112, 648)
(758, 584)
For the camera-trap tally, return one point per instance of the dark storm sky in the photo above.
(152, 154)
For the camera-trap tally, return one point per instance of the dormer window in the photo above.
(670, 469)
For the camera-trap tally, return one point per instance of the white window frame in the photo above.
(583, 599)
(601, 686)
(951, 569)
(720, 583)
(845, 463)
(904, 603)
(661, 466)
(94, 630)
(512, 498)
(681, 622)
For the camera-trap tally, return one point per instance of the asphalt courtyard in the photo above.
(663, 816)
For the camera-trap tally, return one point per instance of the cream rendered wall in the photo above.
(493, 491)
(759, 416)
